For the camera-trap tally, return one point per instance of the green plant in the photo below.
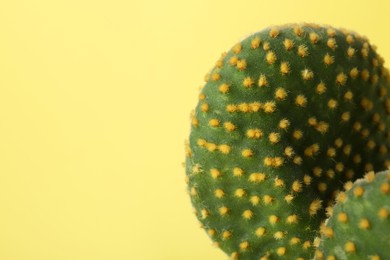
(359, 225)
(286, 117)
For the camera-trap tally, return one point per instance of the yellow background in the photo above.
(95, 99)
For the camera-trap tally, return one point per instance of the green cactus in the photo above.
(359, 225)
(286, 117)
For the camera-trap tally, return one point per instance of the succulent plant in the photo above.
(359, 225)
(285, 118)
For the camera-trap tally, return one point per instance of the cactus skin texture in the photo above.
(285, 117)
(359, 225)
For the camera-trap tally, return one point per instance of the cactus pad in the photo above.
(285, 117)
(359, 224)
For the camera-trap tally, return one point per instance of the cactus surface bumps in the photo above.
(359, 225)
(285, 117)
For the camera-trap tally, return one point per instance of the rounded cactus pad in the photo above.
(285, 117)
(359, 224)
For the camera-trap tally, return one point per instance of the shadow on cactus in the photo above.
(285, 118)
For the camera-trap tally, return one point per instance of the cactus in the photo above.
(285, 117)
(359, 225)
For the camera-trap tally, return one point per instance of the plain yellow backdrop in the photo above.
(95, 98)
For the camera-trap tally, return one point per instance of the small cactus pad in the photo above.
(359, 226)
(285, 117)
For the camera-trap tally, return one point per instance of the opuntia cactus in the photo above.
(286, 117)
(359, 225)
